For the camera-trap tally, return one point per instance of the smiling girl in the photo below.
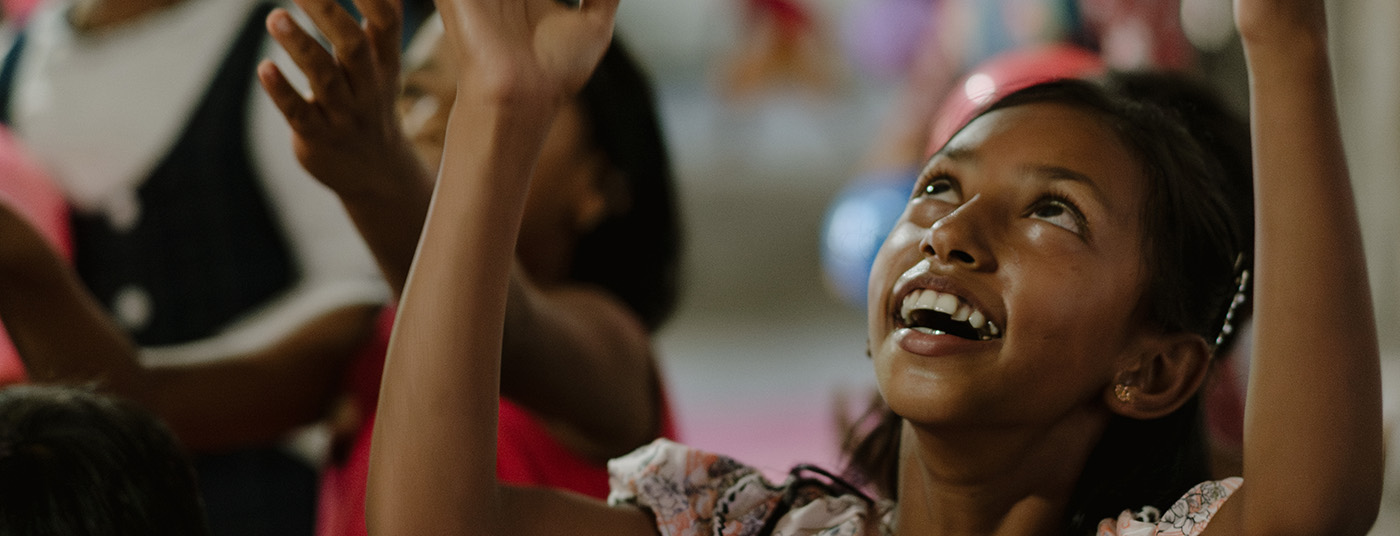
(1041, 319)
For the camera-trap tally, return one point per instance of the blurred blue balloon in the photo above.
(855, 225)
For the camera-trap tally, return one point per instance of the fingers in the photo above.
(288, 100)
(348, 41)
(384, 26)
(504, 46)
(321, 70)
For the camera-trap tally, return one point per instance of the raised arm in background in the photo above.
(1312, 453)
(584, 360)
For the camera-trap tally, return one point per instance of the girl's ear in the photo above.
(1165, 374)
(589, 210)
(608, 196)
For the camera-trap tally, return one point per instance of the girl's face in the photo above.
(1024, 232)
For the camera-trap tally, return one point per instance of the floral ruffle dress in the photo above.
(696, 493)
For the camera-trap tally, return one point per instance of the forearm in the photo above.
(60, 331)
(391, 220)
(63, 336)
(433, 462)
(257, 398)
(1313, 444)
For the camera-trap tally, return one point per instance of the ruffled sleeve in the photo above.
(1186, 517)
(692, 492)
(696, 493)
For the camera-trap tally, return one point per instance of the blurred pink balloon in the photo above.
(1004, 74)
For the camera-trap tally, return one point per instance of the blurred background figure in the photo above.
(240, 279)
(596, 267)
(782, 46)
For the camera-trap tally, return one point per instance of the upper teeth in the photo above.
(951, 305)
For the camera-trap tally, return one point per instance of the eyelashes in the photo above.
(1060, 211)
(939, 186)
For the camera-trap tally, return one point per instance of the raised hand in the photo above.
(527, 49)
(347, 132)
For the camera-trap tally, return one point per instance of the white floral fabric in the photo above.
(696, 493)
(1187, 517)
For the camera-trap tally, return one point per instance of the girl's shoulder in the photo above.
(693, 492)
(1186, 517)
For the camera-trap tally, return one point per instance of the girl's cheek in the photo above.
(923, 213)
(1046, 239)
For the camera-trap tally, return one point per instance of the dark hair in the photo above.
(1195, 223)
(633, 253)
(1220, 131)
(77, 463)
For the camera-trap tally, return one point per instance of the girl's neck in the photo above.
(991, 482)
(97, 15)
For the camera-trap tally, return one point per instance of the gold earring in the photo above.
(1124, 393)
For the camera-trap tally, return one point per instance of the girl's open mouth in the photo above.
(940, 313)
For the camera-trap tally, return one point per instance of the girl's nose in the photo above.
(959, 239)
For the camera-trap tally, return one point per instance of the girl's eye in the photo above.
(1059, 212)
(941, 188)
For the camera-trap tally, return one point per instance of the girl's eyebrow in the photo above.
(1055, 173)
(1049, 172)
(955, 153)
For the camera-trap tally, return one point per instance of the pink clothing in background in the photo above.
(526, 452)
(25, 186)
(18, 10)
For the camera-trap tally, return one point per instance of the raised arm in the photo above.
(64, 336)
(1312, 454)
(433, 461)
(574, 354)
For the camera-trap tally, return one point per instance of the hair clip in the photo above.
(1241, 285)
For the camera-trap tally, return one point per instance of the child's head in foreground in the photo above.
(1061, 273)
(77, 463)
